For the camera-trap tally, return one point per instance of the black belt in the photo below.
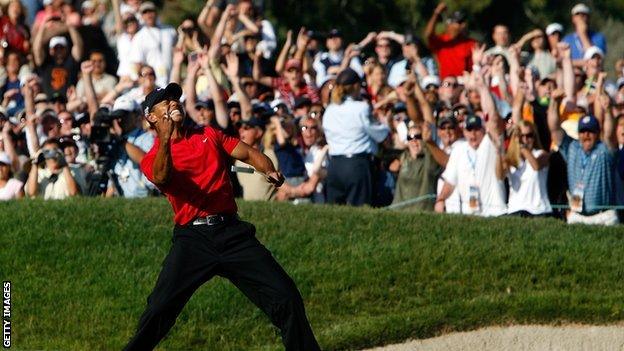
(365, 155)
(211, 220)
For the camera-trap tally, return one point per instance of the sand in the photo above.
(523, 338)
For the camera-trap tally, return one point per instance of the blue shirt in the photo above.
(131, 179)
(595, 171)
(576, 46)
(290, 161)
(350, 129)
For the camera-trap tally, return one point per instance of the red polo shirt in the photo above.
(199, 183)
(454, 55)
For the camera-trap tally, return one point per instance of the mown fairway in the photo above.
(82, 269)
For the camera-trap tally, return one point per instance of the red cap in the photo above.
(293, 63)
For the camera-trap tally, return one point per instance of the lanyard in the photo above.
(473, 162)
(584, 162)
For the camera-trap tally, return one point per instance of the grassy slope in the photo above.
(81, 271)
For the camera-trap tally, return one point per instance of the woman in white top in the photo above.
(526, 166)
(10, 188)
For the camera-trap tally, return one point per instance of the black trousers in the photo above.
(230, 250)
(350, 180)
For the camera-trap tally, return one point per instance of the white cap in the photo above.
(126, 104)
(88, 4)
(429, 80)
(580, 8)
(554, 27)
(593, 50)
(620, 82)
(277, 102)
(4, 158)
(59, 40)
(47, 2)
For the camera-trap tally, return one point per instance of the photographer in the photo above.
(54, 181)
(120, 145)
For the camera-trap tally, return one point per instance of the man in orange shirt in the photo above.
(453, 48)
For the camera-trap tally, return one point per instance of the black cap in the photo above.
(457, 17)
(334, 33)
(253, 122)
(302, 101)
(209, 104)
(447, 118)
(399, 107)
(233, 104)
(473, 122)
(263, 109)
(172, 91)
(347, 77)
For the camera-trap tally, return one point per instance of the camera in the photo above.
(47, 154)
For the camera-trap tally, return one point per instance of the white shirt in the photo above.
(309, 159)
(336, 60)
(154, 46)
(124, 47)
(349, 128)
(451, 204)
(527, 188)
(11, 189)
(468, 168)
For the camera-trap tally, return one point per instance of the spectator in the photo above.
(10, 188)
(539, 57)
(526, 166)
(13, 100)
(54, 181)
(583, 37)
(153, 44)
(15, 34)
(412, 61)
(471, 167)
(102, 81)
(255, 186)
(291, 85)
(453, 48)
(58, 71)
(352, 138)
(500, 37)
(126, 27)
(290, 160)
(418, 171)
(328, 64)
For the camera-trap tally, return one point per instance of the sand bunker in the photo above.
(523, 338)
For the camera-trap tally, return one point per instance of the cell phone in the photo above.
(192, 57)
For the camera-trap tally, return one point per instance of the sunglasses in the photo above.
(411, 137)
(449, 85)
(310, 128)
(529, 135)
(446, 127)
(148, 74)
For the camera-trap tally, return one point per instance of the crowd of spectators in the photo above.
(515, 128)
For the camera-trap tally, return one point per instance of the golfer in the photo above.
(189, 165)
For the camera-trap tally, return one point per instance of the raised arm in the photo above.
(38, 46)
(487, 102)
(283, 55)
(216, 92)
(231, 71)
(430, 27)
(78, 46)
(9, 147)
(258, 76)
(176, 69)
(568, 72)
(554, 125)
(87, 70)
(161, 171)
(215, 41)
(248, 23)
(189, 90)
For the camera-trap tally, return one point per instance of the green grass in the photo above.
(82, 269)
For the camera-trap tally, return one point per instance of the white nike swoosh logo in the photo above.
(205, 140)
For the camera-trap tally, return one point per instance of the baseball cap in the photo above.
(253, 122)
(447, 118)
(172, 90)
(457, 17)
(41, 97)
(580, 8)
(292, 63)
(347, 77)
(334, 33)
(620, 82)
(473, 122)
(88, 4)
(147, 6)
(58, 97)
(263, 109)
(4, 158)
(208, 104)
(58, 40)
(591, 51)
(125, 104)
(430, 80)
(553, 28)
(233, 104)
(588, 123)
